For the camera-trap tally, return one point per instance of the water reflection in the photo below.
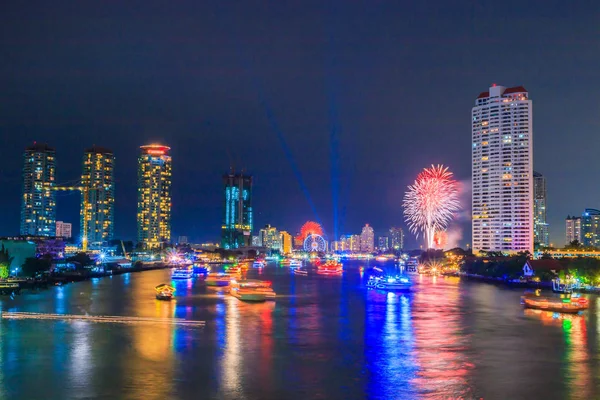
(232, 358)
(440, 342)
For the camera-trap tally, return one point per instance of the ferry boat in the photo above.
(331, 267)
(562, 287)
(301, 272)
(164, 292)
(217, 279)
(252, 290)
(182, 273)
(565, 304)
(398, 283)
(201, 269)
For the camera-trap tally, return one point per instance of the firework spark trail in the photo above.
(431, 202)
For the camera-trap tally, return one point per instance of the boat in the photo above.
(562, 287)
(217, 279)
(234, 269)
(164, 292)
(201, 269)
(301, 272)
(295, 263)
(331, 267)
(252, 290)
(396, 283)
(258, 264)
(182, 273)
(566, 303)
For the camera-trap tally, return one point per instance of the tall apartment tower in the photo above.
(38, 207)
(367, 239)
(236, 230)
(97, 196)
(396, 238)
(590, 227)
(502, 170)
(572, 229)
(154, 196)
(540, 226)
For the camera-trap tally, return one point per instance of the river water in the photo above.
(323, 338)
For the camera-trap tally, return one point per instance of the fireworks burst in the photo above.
(430, 202)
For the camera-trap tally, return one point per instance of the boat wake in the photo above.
(114, 319)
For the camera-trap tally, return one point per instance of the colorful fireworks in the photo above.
(430, 202)
(310, 228)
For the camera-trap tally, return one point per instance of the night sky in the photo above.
(333, 107)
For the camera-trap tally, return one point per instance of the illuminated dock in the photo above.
(112, 319)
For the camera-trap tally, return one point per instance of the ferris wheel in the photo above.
(314, 242)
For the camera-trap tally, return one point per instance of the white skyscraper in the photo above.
(367, 239)
(502, 169)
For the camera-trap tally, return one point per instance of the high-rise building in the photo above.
(367, 239)
(383, 243)
(270, 237)
(64, 230)
(237, 217)
(38, 208)
(351, 243)
(97, 196)
(397, 238)
(286, 242)
(183, 240)
(154, 196)
(502, 170)
(540, 226)
(573, 229)
(590, 227)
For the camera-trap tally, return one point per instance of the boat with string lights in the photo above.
(392, 283)
(331, 267)
(218, 279)
(566, 303)
(300, 271)
(164, 292)
(201, 269)
(252, 290)
(182, 273)
(291, 262)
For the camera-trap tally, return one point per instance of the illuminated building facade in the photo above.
(367, 239)
(38, 207)
(63, 229)
(590, 227)
(270, 238)
(237, 217)
(286, 242)
(154, 196)
(354, 243)
(573, 229)
(97, 196)
(540, 226)
(383, 243)
(396, 238)
(502, 170)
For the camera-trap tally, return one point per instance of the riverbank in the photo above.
(16, 286)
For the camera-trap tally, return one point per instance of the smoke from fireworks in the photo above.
(430, 202)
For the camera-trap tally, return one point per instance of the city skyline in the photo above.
(331, 122)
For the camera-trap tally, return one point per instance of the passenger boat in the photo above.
(234, 269)
(217, 279)
(295, 263)
(397, 283)
(182, 273)
(258, 264)
(566, 303)
(201, 269)
(331, 267)
(252, 290)
(164, 292)
(301, 272)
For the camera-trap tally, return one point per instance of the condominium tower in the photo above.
(502, 170)
(97, 196)
(573, 229)
(38, 206)
(540, 226)
(367, 239)
(154, 196)
(237, 216)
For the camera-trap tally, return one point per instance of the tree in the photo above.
(81, 258)
(5, 261)
(34, 266)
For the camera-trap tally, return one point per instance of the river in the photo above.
(323, 338)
